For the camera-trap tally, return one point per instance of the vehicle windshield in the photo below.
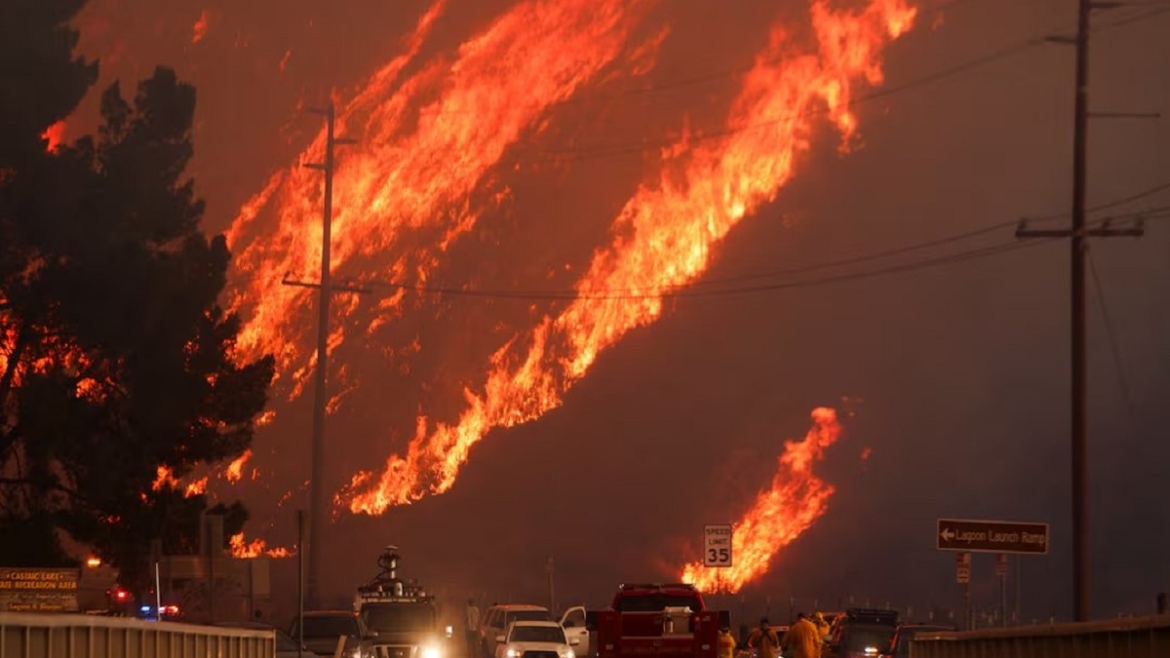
(331, 626)
(657, 602)
(398, 617)
(552, 634)
(857, 638)
(528, 615)
(905, 636)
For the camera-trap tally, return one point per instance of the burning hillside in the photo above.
(439, 138)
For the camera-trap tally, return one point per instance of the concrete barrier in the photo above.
(25, 635)
(1140, 637)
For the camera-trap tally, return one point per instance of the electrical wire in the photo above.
(687, 292)
(574, 155)
(1110, 332)
(615, 150)
(719, 287)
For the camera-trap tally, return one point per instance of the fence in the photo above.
(24, 635)
(1142, 637)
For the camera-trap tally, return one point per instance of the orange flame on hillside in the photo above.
(199, 31)
(235, 470)
(241, 548)
(55, 136)
(165, 478)
(424, 146)
(781, 513)
(198, 487)
(664, 238)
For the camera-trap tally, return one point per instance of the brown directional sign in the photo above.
(991, 536)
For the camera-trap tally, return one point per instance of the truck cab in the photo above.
(660, 620)
(400, 619)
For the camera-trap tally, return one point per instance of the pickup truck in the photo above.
(658, 621)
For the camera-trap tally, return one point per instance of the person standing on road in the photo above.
(803, 640)
(765, 641)
(472, 620)
(818, 620)
(726, 643)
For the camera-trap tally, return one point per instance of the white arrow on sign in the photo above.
(947, 535)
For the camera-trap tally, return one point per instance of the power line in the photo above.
(604, 151)
(1110, 332)
(711, 287)
(617, 150)
(687, 291)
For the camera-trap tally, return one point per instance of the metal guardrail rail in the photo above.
(1138, 637)
(26, 635)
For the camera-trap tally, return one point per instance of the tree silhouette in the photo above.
(115, 357)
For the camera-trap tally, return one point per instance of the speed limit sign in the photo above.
(717, 545)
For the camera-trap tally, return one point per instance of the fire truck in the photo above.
(401, 618)
(662, 620)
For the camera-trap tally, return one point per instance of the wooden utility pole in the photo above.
(1078, 233)
(318, 498)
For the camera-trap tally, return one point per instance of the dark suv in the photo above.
(863, 633)
(900, 646)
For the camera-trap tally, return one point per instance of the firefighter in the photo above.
(823, 629)
(765, 641)
(802, 640)
(726, 643)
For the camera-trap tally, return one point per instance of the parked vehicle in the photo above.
(663, 620)
(325, 628)
(900, 645)
(573, 621)
(862, 633)
(496, 619)
(534, 639)
(400, 618)
(286, 646)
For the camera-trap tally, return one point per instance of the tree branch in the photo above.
(13, 362)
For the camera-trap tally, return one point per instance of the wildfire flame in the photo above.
(235, 470)
(664, 238)
(54, 135)
(196, 488)
(241, 548)
(165, 478)
(199, 31)
(424, 146)
(780, 514)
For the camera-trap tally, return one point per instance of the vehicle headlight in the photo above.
(431, 652)
(513, 653)
(568, 653)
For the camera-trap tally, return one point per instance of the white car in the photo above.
(534, 639)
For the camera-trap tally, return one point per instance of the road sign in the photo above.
(1001, 564)
(991, 536)
(963, 568)
(717, 546)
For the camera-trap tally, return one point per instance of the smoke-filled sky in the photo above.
(956, 374)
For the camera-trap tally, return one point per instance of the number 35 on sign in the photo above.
(717, 545)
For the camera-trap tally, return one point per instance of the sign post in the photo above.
(717, 546)
(1001, 572)
(963, 577)
(966, 536)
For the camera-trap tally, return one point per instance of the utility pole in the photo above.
(1078, 233)
(318, 499)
